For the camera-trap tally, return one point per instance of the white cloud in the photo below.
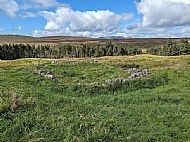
(161, 18)
(46, 3)
(19, 28)
(9, 7)
(66, 21)
(164, 12)
(28, 14)
(180, 1)
(36, 6)
(136, 30)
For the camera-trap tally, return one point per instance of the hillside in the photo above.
(59, 40)
(95, 99)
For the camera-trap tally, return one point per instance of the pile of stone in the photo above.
(94, 84)
(108, 82)
(44, 73)
(136, 73)
(116, 80)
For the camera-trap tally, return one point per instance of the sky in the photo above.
(96, 18)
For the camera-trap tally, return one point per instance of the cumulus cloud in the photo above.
(181, 1)
(164, 12)
(9, 7)
(160, 18)
(66, 21)
(157, 32)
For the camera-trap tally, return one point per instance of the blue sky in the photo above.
(96, 18)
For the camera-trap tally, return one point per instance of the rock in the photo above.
(109, 82)
(54, 62)
(44, 74)
(51, 76)
(136, 73)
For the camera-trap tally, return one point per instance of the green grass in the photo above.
(44, 113)
(82, 72)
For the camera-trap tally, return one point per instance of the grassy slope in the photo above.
(159, 114)
(55, 41)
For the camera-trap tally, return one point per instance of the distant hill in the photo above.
(29, 39)
(59, 40)
(112, 37)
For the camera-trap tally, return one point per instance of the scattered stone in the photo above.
(109, 81)
(116, 80)
(94, 84)
(44, 74)
(54, 62)
(93, 61)
(136, 73)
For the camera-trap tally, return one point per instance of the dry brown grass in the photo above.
(149, 61)
(21, 62)
(55, 41)
(145, 61)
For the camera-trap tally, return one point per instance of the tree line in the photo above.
(172, 48)
(16, 51)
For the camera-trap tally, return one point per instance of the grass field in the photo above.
(151, 109)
